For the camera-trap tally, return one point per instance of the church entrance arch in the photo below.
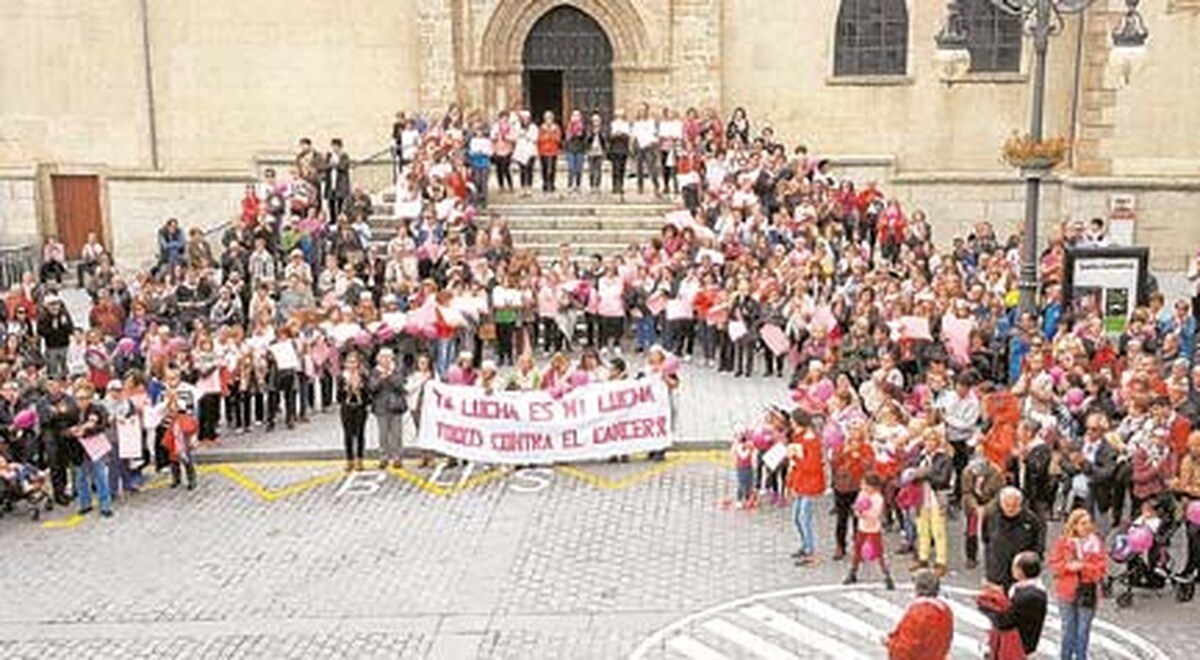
(567, 62)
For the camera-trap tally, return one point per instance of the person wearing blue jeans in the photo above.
(802, 518)
(1076, 630)
(1079, 562)
(90, 472)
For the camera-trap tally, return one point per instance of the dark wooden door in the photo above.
(545, 92)
(569, 41)
(76, 210)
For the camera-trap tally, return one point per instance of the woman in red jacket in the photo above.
(806, 482)
(851, 462)
(1079, 564)
(549, 144)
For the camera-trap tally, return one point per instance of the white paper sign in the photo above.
(285, 355)
(129, 438)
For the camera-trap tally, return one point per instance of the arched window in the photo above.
(872, 38)
(993, 37)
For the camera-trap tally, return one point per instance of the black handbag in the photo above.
(1085, 595)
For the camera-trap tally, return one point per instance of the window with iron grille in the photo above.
(872, 38)
(994, 37)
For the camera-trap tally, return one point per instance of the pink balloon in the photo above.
(1193, 512)
(671, 365)
(869, 550)
(363, 338)
(832, 437)
(1140, 538)
(762, 438)
(384, 333)
(26, 419)
(579, 379)
(862, 503)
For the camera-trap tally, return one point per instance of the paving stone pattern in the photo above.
(575, 570)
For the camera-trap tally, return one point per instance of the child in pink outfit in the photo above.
(868, 537)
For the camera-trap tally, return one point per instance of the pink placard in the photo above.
(656, 303)
(823, 318)
(97, 446)
(957, 336)
(775, 339)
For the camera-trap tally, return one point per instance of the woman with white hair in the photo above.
(389, 403)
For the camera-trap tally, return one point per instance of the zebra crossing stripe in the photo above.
(1096, 637)
(694, 649)
(836, 617)
(747, 640)
(790, 627)
(893, 612)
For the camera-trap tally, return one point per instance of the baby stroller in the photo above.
(28, 485)
(1146, 557)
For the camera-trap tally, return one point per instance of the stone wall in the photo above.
(138, 205)
(18, 208)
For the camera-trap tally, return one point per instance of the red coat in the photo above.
(924, 633)
(1095, 565)
(806, 473)
(178, 435)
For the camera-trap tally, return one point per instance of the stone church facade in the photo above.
(169, 108)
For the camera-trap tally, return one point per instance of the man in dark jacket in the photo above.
(54, 325)
(1096, 460)
(1036, 483)
(58, 413)
(1010, 528)
(1027, 602)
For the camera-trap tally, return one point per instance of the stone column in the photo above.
(696, 53)
(439, 66)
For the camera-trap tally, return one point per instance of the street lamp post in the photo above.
(1044, 18)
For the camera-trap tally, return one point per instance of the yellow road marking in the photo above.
(272, 494)
(64, 523)
(233, 472)
(673, 461)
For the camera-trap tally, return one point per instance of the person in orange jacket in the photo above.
(927, 627)
(806, 483)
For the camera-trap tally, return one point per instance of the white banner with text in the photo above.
(592, 422)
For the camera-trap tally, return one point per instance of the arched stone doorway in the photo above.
(567, 64)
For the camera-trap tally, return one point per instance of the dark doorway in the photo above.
(568, 51)
(545, 91)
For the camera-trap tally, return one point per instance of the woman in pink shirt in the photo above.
(610, 307)
(549, 306)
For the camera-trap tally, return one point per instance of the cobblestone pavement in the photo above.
(293, 560)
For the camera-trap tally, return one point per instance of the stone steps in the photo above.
(592, 223)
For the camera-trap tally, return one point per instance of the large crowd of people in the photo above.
(921, 390)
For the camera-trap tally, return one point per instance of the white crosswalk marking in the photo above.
(1097, 638)
(836, 617)
(747, 640)
(694, 649)
(812, 639)
(894, 613)
(850, 623)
